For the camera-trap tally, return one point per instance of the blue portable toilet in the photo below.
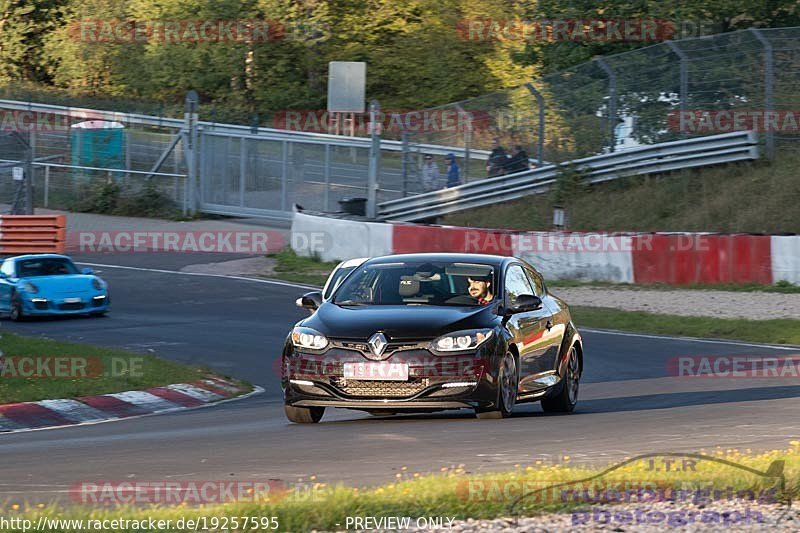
(100, 144)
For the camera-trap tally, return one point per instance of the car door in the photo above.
(528, 329)
(7, 271)
(556, 325)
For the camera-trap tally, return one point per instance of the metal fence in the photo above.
(611, 104)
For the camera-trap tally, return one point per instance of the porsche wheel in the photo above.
(15, 313)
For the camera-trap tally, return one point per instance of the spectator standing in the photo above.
(453, 177)
(518, 161)
(496, 165)
(430, 174)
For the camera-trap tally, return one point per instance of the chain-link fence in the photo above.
(655, 94)
(664, 92)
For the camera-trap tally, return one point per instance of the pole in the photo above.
(612, 102)
(374, 158)
(684, 78)
(540, 141)
(768, 81)
(190, 125)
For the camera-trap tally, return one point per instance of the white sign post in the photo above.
(18, 173)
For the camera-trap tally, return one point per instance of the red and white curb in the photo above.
(45, 414)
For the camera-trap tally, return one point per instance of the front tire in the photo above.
(15, 314)
(303, 415)
(567, 397)
(508, 383)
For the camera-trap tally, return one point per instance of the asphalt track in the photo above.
(628, 404)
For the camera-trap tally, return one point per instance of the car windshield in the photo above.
(51, 266)
(336, 279)
(413, 283)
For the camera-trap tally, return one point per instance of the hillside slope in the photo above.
(747, 197)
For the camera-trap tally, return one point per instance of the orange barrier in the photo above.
(21, 234)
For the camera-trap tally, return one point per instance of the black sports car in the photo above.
(426, 332)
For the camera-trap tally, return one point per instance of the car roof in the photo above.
(36, 256)
(493, 260)
(352, 262)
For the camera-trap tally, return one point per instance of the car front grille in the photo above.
(380, 389)
(76, 306)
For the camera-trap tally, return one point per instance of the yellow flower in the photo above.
(15, 507)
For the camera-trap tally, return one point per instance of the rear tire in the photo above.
(508, 383)
(303, 415)
(567, 397)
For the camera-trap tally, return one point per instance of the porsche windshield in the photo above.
(45, 267)
(430, 283)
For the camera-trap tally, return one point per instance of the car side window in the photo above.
(537, 282)
(516, 283)
(7, 268)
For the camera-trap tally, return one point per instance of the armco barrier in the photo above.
(669, 258)
(20, 234)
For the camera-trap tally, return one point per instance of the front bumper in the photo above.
(33, 304)
(434, 382)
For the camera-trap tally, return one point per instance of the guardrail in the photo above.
(657, 158)
(20, 234)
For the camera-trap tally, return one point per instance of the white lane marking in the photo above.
(256, 391)
(195, 392)
(74, 410)
(144, 399)
(240, 278)
(692, 339)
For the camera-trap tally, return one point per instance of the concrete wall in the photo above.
(671, 258)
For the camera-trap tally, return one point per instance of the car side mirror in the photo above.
(87, 270)
(311, 300)
(524, 303)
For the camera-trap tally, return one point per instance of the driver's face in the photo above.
(478, 288)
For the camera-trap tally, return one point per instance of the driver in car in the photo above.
(480, 288)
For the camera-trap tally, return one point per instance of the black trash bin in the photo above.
(354, 206)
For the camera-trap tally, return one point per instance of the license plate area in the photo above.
(72, 300)
(376, 371)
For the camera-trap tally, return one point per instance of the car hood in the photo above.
(63, 284)
(397, 321)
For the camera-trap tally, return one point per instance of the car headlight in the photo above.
(461, 340)
(308, 338)
(98, 284)
(29, 287)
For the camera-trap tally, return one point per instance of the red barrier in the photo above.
(409, 238)
(687, 259)
(32, 234)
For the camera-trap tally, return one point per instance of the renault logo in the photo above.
(377, 343)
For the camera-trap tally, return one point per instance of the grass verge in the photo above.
(708, 199)
(291, 267)
(38, 369)
(455, 493)
(777, 331)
